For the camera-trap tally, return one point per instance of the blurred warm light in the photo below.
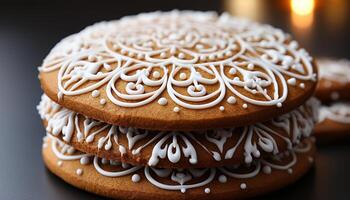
(336, 13)
(252, 9)
(302, 7)
(302, 14)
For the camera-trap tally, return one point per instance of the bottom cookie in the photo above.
(123, 181)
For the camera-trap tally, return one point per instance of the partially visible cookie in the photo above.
(334, 83)
(176, 149)
(334, 122)
(123, 181)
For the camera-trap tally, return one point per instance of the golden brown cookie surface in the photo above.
(334, 83)
(211, 148)
(117, 180)
(169, 71)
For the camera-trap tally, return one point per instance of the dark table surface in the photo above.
(28, 29)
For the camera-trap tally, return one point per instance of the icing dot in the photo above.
(311, 159)
(59, 163)
(183, 190)
(181, 55)
(279, 105)
(104, 161)
(163, 55)
(162, 101)
(202, 57)
(176, 109)
(79, 172)
(103, 101)
(212, 57)
(92, 58)
(123, 51)
(84, 160)
(135, 178)
(245, 106)
(95, 93)
(139, 56)
(115, 47)
(290, 171)
(231, 100)
(292, 81)
(222, 179)
(156, 74)
(267, 169)
(183, 76)
(228, 53)
(250, 66)
(232, 71)
(222, 108)
(334, 95)
(302, 85)
(207, 190)
(243, 186)
(107, 66)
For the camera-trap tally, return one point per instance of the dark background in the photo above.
(29, 29)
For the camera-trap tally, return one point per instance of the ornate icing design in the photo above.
(195, 57)
(338, 112)
(181, 179)
(174, 146)
(334, 70)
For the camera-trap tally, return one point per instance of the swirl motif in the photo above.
(139, 58)
(174, 146)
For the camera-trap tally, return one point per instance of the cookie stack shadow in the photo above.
(179, 105)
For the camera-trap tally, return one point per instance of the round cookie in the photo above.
(175, 149)
(179, 71)
(122, 181)
(334, 83)
(334, 122)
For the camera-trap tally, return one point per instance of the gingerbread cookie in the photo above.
(179, 71)
(211, 148)
(334, 122)
(334, 84)
(123, 181)
(178, 105)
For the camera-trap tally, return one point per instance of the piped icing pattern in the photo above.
(337, 112)
(180, 180)
(172, 146)
(197, 58)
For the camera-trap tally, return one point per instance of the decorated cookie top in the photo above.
(334, 79)
(179, 70)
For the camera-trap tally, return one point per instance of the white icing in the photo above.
(181, 179)
(337, 112)
(292, 81)
(95, 93)
(79, 172)
(221, 108)
(231, 100)
(174, 146)
(103, 101)
(162, 101)
(334, 70)
(135, 178)
(226, 53)
(176, 109)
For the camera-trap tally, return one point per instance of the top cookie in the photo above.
(179, 71)
(334, 81)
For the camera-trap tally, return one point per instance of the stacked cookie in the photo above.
(333, 91)
(173, 105)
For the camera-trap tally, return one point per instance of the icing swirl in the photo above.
(195, 57)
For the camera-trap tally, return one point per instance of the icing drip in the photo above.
(161, 52)
(181, 179)
(174, 146)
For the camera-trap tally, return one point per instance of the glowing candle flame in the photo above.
(303, 7)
